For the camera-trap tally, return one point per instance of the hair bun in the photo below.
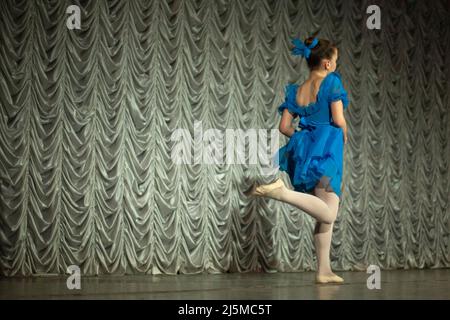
(322, 49)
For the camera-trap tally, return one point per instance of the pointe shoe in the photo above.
(264, 189)
(321, 279)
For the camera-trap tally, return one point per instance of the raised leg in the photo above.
(312, 205)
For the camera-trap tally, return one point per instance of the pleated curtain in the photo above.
(87, 118)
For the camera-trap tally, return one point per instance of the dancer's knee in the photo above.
(330, 218)
(331, 212)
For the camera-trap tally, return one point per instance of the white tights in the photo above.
(323, 206)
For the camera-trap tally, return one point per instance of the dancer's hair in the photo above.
(323, 50)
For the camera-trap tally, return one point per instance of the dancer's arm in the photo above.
(337, 112)
(286, 127)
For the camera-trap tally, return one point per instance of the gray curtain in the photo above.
(87, 115)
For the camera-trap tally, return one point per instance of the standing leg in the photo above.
(322, 238)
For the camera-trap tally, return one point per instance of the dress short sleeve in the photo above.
(337, 91)
(290, 93)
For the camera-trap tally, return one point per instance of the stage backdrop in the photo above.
(87, 117)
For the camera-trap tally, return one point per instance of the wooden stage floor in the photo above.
(395, 284)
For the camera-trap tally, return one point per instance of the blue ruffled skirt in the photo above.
(313, 155)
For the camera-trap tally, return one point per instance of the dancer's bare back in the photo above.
(307, 92)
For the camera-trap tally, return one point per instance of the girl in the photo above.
(313, 156)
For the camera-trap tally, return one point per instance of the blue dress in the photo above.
(315, 153)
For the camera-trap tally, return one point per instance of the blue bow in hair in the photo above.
(301, 49)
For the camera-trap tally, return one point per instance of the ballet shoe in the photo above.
(321, 279)
(264, 189)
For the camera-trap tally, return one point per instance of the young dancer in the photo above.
(313, 156)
